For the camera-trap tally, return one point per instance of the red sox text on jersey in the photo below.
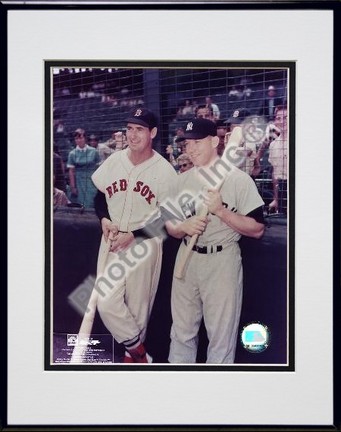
(140, 187)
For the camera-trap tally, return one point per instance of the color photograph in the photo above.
(170, 248)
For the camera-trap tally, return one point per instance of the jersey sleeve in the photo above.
(101, 175)
(170, 206)
(167, 183)
(101, 208)
(248, 195)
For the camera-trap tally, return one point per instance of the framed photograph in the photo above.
(97, 98)
(81, 87)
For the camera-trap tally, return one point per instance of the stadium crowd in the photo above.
(78, 154)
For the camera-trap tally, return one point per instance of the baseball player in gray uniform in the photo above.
(135, 181)
(212, 285)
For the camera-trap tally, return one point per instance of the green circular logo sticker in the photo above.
(255, 337)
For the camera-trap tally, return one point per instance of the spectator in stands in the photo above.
(59, 196)
(59, 172)
(174, 149)
(203, 111)
(108, 147)
(235, 93)
(82, 94)
(172, 156)
(111, 142)
(90, 93)
(179, 144)
(270, 102)
(120, 141)
(60, 137)
(221, 133)
(175, 142)
(195, 105)
(104, 151)
(187, 110)
(65, 92)
(215, 109)
(184, 163)
(82, 162)
(246, 90)
(278, 157)
(110, 100)
(247, 151)
(179, 133)
(93, 141)
(271, 133)
(178, 112)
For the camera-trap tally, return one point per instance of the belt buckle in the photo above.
(205, 249)
(200, 249)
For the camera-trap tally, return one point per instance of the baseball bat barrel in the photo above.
(235, 138)
(89, 316)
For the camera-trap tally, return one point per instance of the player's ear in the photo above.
(214, 141)
(153, 132)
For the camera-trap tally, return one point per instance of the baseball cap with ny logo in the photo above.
(199, 128)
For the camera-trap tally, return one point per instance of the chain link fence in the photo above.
(97, 100)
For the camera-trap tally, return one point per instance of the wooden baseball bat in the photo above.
(85, 329)
(235, 139)
(179, 269)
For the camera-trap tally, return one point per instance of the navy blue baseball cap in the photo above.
(238, 116)
(199, 128)
(142, 116)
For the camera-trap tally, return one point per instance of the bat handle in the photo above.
(103, 259)
(180, 267)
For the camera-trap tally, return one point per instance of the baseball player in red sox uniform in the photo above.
(135, 181)
(212, 285)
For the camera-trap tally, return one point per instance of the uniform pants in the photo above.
(211, 289)
(127, 291)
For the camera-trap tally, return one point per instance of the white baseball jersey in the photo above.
(132, 192)
(133, 195)
(239, 194)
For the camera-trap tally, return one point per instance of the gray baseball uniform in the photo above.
(212, 285)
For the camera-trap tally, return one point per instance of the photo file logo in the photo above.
(72, 339)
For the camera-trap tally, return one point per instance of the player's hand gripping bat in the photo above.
(235, 139)
(89, 315)
(179, 269)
